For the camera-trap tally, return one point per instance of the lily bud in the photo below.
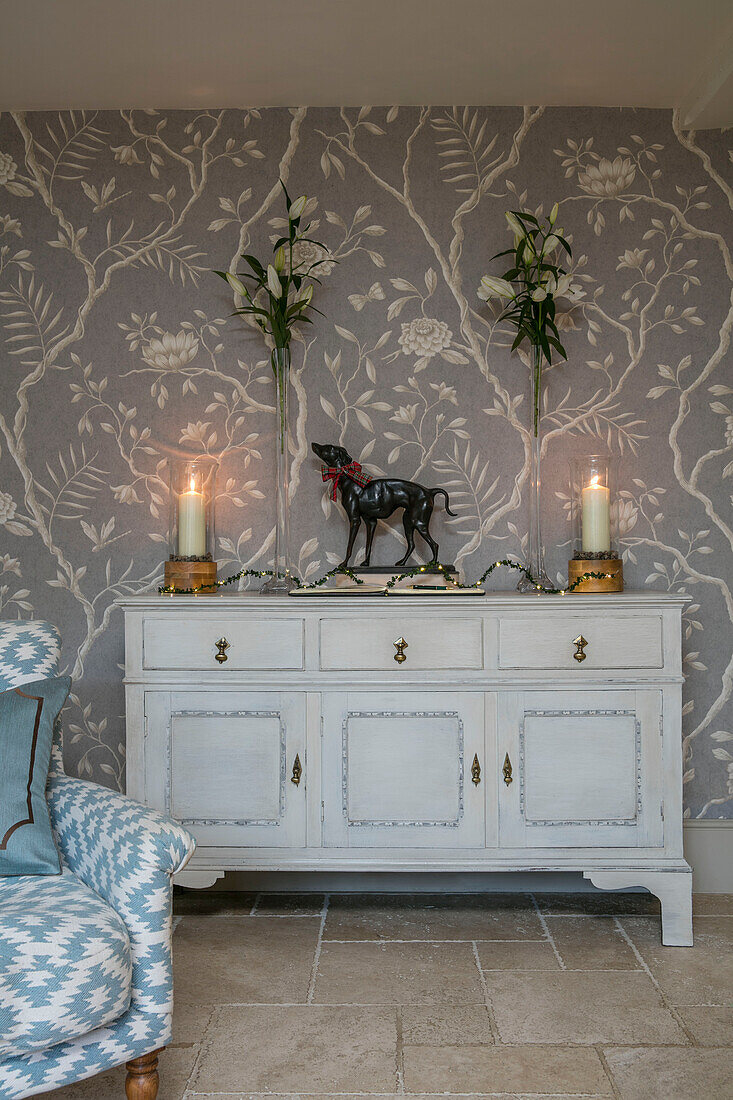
(298, 207)
(539, 294)
(493, 287)
(280, 259)
(307, 295)
(554, 213)
(273, 283)
(515, 225)
(551, 243)
(236, 284)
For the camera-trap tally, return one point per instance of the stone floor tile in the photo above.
(509, 1069)
(222, 902)
(189, 1022)
(529, 955)
(591, 942)
(433, 1025)
(575, 1007)
(709, 1026)
(303, 1049)
(174, 1067)
(217, 960)
(671, 1073)
(698, 975)
(712, 904)
(397, 973)
(431, 917)
(294, 905)
(598, 901)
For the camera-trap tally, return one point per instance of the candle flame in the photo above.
(193, 483)
(594, 480)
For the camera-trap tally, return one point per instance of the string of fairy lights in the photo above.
(344, 571)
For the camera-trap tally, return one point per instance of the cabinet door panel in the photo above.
(585, 769)
(221, 762)
(401, 775)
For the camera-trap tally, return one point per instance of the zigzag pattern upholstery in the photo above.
(118, 859)
(30, 650)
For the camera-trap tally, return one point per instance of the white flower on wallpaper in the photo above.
(8, 168)
(7, 507)
(425, 336)
(120, 349)
(607, 178)
(170, 352)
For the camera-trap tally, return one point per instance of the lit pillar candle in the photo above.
(191, 524)
(596, 517)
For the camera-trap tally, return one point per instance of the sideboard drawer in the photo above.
(355, 643)
(608, 641)
(180, 642)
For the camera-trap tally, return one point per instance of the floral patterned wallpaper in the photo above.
(119, 349)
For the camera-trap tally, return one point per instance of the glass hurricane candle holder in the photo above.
(192, 496)
(594, 508)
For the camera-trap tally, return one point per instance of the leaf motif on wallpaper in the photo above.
(465, 151)
(74, 142)
(76, 481)
(27, 309)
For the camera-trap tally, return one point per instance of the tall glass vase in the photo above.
(282, 582)
(535, 561)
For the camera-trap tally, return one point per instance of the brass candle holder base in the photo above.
(181, 575)
(613, 583)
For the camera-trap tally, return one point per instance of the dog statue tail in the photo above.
(434, 493)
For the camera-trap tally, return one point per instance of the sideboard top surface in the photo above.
(255, 601)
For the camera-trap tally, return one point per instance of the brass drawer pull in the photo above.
(222, 646)
(297, 771)
(580, 644)
(400, 645)
(507, 770)
(476, 771)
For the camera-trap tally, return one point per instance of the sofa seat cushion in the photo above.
(65, 965)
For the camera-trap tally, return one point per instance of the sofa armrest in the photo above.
(127, 854)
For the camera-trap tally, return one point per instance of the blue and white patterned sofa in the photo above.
(85, 956)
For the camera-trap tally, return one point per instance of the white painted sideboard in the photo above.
(287, 734)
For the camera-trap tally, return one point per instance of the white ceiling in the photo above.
(229, 53)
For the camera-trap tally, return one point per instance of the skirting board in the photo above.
(708, 849)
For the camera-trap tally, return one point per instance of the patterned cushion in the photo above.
(31, 651)
(65, 965)
(27, 716)
(28, 651)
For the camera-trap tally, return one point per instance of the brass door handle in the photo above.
(507, 770)
(222, 646)
(400, 645)
(580, 643)
(476, 771)
(297, 771)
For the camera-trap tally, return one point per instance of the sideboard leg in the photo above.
(674, 890)
(142, 1077)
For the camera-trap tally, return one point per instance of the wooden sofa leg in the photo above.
(142, 1077)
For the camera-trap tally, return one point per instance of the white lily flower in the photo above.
(493, 287)
(236, 284)
(298, 207)
(554, 213)
(539, 294)
(273, 282)
(563, 285)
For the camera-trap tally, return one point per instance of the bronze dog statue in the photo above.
(371, 499)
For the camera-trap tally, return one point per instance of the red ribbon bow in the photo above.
(353, 471)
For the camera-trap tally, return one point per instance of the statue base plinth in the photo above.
(382, 574)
